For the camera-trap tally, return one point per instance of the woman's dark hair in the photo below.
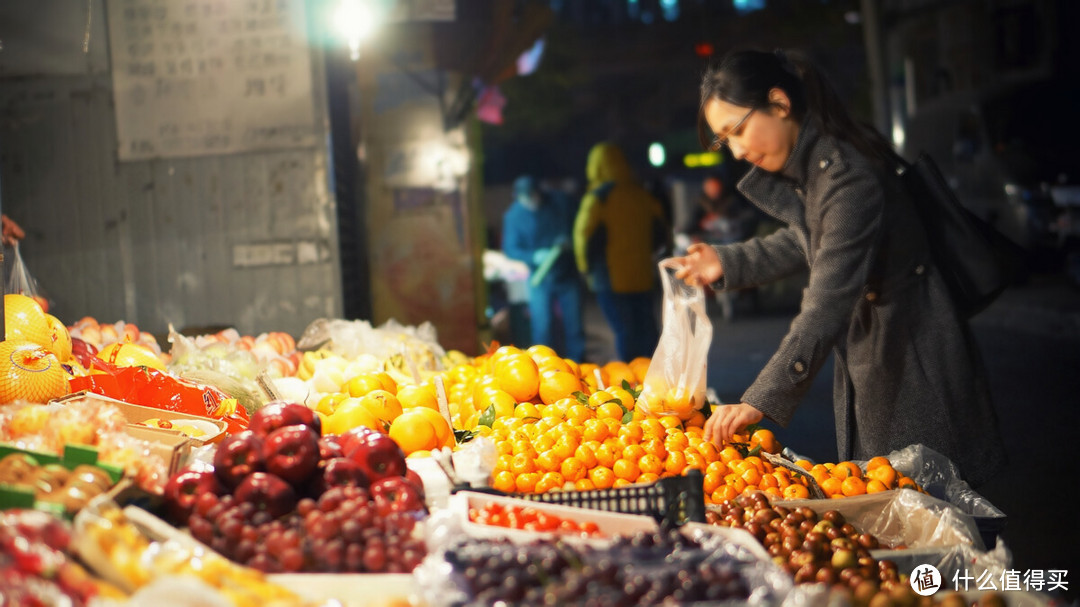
(745, 77)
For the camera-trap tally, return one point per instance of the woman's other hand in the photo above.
(700, 266)
(726, 420)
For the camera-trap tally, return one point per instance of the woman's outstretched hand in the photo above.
(700, 266)
(726, 420)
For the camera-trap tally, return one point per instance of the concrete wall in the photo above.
(246, 239)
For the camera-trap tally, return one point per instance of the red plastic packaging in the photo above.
(153, 388)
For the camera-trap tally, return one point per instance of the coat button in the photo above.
(824, 163)
(799, 366)
(871, 296)
(919, 269)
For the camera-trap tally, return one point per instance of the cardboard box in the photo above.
(135, 414)
(170, 445)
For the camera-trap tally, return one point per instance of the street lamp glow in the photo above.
(355, 21)
(657, 154)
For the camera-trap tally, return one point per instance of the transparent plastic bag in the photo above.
(675, 383)
(21, 281)
(939, 476)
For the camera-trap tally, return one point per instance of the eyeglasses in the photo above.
(719, 142)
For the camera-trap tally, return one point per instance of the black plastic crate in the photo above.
(672, 501)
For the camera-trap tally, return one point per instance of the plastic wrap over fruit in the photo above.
(474, 461)
(419, 345)
(48, 428)
(939, 476)
(676, 380)
(646, 567)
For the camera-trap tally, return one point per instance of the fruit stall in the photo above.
(362, 465)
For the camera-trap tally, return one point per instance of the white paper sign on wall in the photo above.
(208, 77)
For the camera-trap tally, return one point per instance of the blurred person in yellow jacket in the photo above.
(619, 233)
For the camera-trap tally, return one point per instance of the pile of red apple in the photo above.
(283, 498)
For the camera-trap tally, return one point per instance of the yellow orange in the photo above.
(361, 384)
(518, 376)
(557, 384)
(381, 404)
(413, 431)
(619, 372)
(853, 485)
(796, 492)
(443, 429)
(602, 477)
(349, 414)
(417, 395)
(124, 354)
(639, 367)
(61, 338)
(24, 320)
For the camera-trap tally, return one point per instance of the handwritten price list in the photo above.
(205, 77)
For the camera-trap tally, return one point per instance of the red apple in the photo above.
(337, 472)
(349, 439)
(266, 492)
(396, 494)
(292, 453)
(83, 351)
(378, 455)
(330, 447)
(278, 414)
(238, 456)
(184, 488)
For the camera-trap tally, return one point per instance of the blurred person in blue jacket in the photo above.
(537, 230)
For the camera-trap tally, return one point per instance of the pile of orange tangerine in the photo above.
(560, 425)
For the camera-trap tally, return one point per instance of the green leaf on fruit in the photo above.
(635, 392)
(464, 436)
(487, 417)
(752, 428)
(581, 397)
(627, 415)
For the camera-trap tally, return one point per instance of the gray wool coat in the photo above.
(907, 369)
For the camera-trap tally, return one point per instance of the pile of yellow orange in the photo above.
(408, 413)
(558, 424)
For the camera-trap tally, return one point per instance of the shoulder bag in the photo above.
(976, 261)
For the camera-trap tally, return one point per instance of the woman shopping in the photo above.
(907, 369)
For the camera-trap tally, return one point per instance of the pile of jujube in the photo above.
(284, 498)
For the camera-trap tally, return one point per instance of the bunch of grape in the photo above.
(338, 533)
(643, 569)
